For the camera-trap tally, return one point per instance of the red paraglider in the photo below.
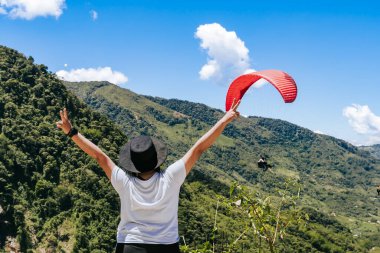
(283, 82)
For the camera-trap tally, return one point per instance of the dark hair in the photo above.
(135, 174)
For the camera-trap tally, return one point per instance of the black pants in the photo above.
(147, 248)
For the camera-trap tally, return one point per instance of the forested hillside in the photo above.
(54, 198)
(338, 179)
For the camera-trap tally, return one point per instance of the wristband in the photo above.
(73, 131)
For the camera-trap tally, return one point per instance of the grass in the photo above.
(360, 227)
(375, 250)
(286, 173)
(67, 229)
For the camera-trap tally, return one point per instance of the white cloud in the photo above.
(362, 119)
(3, 11)
(259, 83)
(93, 74)
(228, 55)
(364, 122)
(94, 15)
(318, 132)
(212, 68)
(65, 65)
(30, 9)
(372, 140)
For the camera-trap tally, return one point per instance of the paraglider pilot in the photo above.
(262, 163)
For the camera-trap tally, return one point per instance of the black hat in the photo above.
(142, 154)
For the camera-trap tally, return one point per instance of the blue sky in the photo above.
(159, 48)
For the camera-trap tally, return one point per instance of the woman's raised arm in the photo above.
(86, 145)
(192, 156)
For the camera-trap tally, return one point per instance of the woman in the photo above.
(148, 196)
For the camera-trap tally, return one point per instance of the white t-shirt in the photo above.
(149, 208)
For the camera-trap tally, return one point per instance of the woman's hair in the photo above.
(134, 174)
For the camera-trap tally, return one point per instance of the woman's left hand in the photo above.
(64, 123)
(232, 113)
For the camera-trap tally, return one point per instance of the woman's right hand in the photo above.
(64, 123)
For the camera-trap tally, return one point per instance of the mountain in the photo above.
(374, 150)
(337, 177)
(54, 198)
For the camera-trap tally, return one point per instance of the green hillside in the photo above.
(337, 177)
(53, 198)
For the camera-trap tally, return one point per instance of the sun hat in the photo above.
(142, 153)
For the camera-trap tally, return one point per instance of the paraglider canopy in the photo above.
(283, 82)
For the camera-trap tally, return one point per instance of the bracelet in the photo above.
(73, 131)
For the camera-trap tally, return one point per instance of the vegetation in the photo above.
(54, 197)
(374, 150)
